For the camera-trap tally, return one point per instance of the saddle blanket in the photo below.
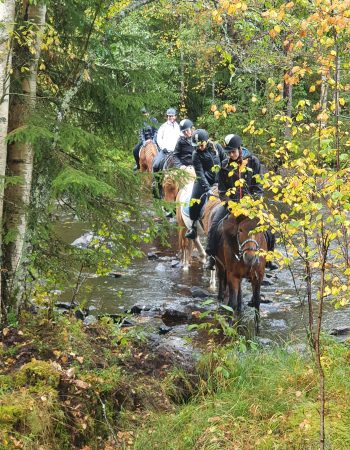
(185, 200)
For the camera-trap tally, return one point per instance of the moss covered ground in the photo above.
(67, 386)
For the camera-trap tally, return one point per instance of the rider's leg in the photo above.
(157, 185)
(195, 209)
(136, 153)
(157, 178)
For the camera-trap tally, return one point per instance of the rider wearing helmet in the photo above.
(147, 132)
(206, 159)
(167, 137)
(248, 168)
(169, 132)
(184, 146)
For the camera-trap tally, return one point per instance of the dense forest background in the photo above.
(74, 77)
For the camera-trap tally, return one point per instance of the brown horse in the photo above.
(147, 154)
(240, 256)
(184, 222)
(174, 179)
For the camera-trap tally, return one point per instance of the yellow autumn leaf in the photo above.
(277, 28)
(312, 88)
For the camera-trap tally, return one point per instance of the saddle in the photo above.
(168, 161)
(185, 200)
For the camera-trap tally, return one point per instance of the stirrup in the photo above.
(191, 233)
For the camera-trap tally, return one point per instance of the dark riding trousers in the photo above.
(204, 163)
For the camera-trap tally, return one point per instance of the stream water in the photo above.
(156, 282)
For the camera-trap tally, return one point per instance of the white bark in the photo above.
(7, 19)
(20, 158)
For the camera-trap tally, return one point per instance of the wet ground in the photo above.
(160, 281)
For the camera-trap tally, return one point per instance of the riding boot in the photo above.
(210, 263)
(191, 233)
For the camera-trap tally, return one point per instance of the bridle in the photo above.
(242, 250)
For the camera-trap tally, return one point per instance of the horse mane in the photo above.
(173, 180)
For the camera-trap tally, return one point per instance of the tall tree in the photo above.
(7, 19)
(20, 154)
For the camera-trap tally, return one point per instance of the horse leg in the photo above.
(213, 279)
(187, 252)
(256, 284)
(239, 298)
(183, 251)
(222, 283)
(185, 258)
(234, 286)
(201, 252)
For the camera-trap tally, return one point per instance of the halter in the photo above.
(242, 250)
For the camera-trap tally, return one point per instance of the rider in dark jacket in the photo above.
(184, 147)
(248, 166)
(147, 132)
(240, 164)
(206, 161)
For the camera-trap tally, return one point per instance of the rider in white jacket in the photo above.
(167, 137)
(169, 132)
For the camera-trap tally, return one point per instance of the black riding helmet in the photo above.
(200, 136)
(185, 124)
(232, 142)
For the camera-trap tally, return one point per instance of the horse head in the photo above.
(173, 180)
(244, 241)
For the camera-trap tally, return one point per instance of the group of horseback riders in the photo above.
(213, 164)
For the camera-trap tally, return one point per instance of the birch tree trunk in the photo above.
(7, 19)
(20, 156)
